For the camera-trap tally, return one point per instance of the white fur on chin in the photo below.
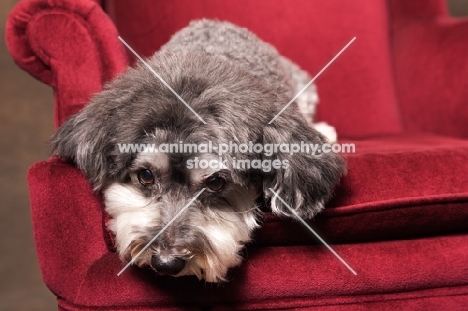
(227, 231)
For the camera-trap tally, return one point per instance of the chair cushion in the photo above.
(400, 186)
(356, 91)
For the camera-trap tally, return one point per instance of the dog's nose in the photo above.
(167, 266)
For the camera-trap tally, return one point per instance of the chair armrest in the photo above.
(68, 225)
(431, 69)
(71, 45)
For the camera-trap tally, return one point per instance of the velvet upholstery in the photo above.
(427, 43)
(400, 215)
(70, 45)
(310, 39)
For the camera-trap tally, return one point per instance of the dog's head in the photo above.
(150, 196)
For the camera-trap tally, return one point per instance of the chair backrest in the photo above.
(356, 91)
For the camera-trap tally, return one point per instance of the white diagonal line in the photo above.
(315, 233)
(311, 81)
(162, 230)
(161, 79)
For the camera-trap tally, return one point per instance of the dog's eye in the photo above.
(215, 183)
(145, 177)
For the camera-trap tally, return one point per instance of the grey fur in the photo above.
(236, 83)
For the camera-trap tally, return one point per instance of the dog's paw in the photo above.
(326, 130)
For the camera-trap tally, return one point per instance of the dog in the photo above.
(236, 84)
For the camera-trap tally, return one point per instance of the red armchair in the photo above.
(400, 216)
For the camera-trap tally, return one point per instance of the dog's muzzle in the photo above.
(167, 265)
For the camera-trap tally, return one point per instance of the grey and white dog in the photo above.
(237, 84)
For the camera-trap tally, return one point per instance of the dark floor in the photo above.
(26, 124)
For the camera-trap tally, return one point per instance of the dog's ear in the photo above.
(305, 181)
(82, 139)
